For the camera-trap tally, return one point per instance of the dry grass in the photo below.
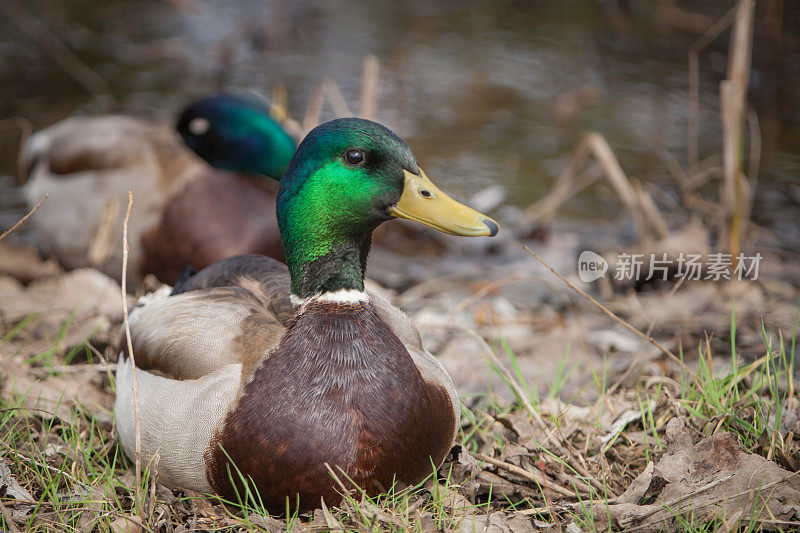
(534, 462)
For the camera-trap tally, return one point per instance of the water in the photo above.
(483, 92)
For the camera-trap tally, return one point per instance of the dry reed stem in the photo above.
(313, 109)
(525, 473)
(326, 89)
(563, 190)
(651, 212)
(332, 523)
(369, 87)
(570, 183)
(278, 109)
(336, 99)
(733, 101)
(21, 221)
(101, 245)
(670, 13)
(694, 85)
(338, 481)
(564, 187)
(137, 419)
(64, 57)
(754, 160)
(605, 310)
(25, 128)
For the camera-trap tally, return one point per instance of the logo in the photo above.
(591, 266)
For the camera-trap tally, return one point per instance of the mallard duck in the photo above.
(185, 212)
(280, 369)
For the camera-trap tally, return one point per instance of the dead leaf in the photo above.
(714, 477)
(636, 490)
(267, 523)
(127, 524)
(330, 521)
(89, 517)
(90, 291)
(23, 262)
(10, 486)
(498, 522)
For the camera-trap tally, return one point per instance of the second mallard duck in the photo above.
(185, 212)
(280, 372)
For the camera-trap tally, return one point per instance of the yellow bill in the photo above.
(423, 202)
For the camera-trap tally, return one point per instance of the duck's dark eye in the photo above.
(354, 157)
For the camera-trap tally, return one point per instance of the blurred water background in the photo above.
(483, 92)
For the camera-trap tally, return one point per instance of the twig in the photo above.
(71, 369)
(603, 308)
(483, 291)
(23, 219)
(137, 420)
(108, 367)
(525, 473)
(638, 359)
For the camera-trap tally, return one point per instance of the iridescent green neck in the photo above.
(318, 264)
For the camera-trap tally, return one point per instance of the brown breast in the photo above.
(213, 217)
(340, 389)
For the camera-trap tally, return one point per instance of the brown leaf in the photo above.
(23, 262)
(127, 524)
(715, 477)
(498, 522)
(9, 485)
(89, 290)
(89, 517)
(635, 492)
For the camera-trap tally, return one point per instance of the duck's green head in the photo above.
(237, 134)
(348, 176)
